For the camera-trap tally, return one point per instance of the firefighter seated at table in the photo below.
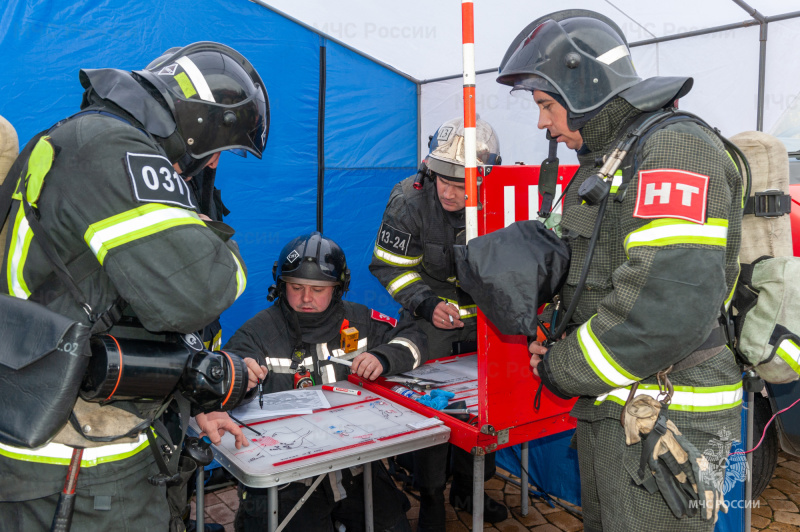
(292, 339)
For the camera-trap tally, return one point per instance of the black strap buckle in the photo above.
(769, 204)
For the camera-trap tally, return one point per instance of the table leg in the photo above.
(272, 506)
(523, 480)
(200, 506)
(369, 524)
(477, 491)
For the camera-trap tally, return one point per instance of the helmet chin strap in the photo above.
(548, 177)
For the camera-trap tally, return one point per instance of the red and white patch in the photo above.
(670, 193)
(377, 316)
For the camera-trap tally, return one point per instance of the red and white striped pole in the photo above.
(470, 148)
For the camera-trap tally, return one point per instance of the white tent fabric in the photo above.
(422, 39)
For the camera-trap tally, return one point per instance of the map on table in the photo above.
(293, 438)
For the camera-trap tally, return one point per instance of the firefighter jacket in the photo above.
(413, 255)
(125, 224)
(268, 338)
(664, 265)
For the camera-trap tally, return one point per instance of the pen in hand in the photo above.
(260, 394)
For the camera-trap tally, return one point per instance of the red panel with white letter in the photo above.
(670, 193)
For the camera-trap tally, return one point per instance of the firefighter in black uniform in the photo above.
(413, 258)
(308, 320)
(115, 203)
(668, 230)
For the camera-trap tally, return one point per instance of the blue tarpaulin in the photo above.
(369, 118)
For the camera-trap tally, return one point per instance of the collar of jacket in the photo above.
(603, 128)
(316, 327)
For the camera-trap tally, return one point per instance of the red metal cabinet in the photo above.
(506, 388)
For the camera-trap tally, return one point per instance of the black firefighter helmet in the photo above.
(578, 54)
(312, 259)
(217, 99)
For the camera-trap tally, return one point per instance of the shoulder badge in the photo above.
(393, 240)
(671, 193)
(378, 316)
(154, 180)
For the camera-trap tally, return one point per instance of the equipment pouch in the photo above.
(768, 321)
(43, 357)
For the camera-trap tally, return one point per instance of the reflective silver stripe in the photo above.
(284, 365)
(600, 361)
(396, 260)
(360, 348)
(686, 398)
(667, 231)
(400, 282)
(614, 54)
(327, 372)
(197, 78)
(789, 353)
(59, 454)
(411, 346)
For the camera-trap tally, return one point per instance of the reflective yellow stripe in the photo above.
(241, 278)
(58, 454)
(401, 281)
(21, 236)
(616, 181)
(396, 260)
(600, 361)
(790, 353)
(468, 311)
(134, 224)
(685, 398)
(728, 299)
(668, 231)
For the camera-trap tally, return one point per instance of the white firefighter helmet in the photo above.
(446, 156)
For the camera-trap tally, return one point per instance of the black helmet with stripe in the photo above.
(217, 99)
(580, 55)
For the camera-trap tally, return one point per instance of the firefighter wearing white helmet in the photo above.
(413, 259)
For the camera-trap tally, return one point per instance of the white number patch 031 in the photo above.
(154, 180)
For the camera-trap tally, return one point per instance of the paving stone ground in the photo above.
(778, 507)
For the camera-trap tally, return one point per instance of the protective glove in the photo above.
(437, 399)
(670, 463)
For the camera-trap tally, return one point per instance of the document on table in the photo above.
(450, 371)
(293, 402)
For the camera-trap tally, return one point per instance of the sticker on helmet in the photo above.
(671, 193)
(444, 132)
(293, 256)
(154, 180)
(393, 240)
(168, 70)
(379, 316)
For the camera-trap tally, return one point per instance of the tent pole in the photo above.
(762, 74)
(419, 121)
(321, 133)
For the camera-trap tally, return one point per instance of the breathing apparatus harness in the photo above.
(595, 190)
